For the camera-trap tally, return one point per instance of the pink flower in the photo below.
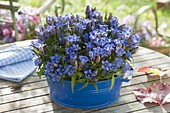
(156, 42)
(35, 18)
(21, 26)
(7, 32)
(21, 36)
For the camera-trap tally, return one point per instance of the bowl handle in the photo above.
(127, 79)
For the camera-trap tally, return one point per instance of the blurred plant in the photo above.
(26, 23)
(147, 31)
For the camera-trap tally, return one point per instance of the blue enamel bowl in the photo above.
(87, 98)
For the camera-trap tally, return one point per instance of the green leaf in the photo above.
(118, 73)
(80, 74)
(85, 85)
(41, 71)
(95, 85)
(80, 81)
(61, 49)
(73, 79)
(63, 57)
(62, 81)
(36, 51)
(112, 82)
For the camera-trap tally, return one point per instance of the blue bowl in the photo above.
(87, 98)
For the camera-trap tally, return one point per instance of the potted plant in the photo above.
(84, 59)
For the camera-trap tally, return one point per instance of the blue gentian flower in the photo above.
(73, 39)
(103, 27)
(117, 42)
(101, 41)
(70, 70)
(97, 42)
(86, 37)
(93, 54)
(55, 59)
(126, 68)
(46, 33)
(67, 59)
(113, 67)
(89, 74)
(109, 48)
(49, 66)
(79, 27)
(37, 61)
(37, 44)
(83, 60)
(72, 48)
(105, 53)
(120, 51)
(73, 57)
(48, 74)
(55, 76)
(135, 40)
(61, 70)
(127, 31)
(113, 22)
(128, 54)
(75, 47)
(95, 15)
(119, 62)
(106, 65)
(89, 46)
(97, 50)
(126, 43)
(49, 19)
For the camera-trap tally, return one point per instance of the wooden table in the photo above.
(34, 95)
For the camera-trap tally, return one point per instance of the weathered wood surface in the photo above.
(34, 96)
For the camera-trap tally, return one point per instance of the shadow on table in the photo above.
(62, 109)
(153, 107)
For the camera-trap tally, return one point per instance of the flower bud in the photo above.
(55, 65)
(76, 64)
(105, 16)
(57, 31)
(88, 27)
(45, 49)
(97, 59)
(88, 11)
(53, 32)
(110, 16)
(41, 49)
(55, 49)
(100, 16)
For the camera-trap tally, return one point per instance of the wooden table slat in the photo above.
(34, 95)
(22, 104)
(158, 109)
(160, 64)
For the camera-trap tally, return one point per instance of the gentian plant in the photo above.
(90, 49)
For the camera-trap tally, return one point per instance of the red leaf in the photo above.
(156, 93)
(146, 69)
